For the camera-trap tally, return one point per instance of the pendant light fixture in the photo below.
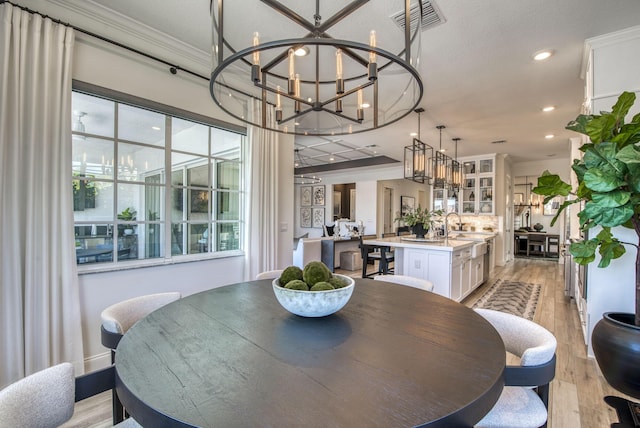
(440, 165)
(416, 158)
(319, 72)
(455, 181)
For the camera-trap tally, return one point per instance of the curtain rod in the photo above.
(172, 67)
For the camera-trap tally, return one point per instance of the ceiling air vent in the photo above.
(431, 16)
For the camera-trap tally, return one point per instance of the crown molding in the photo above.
(95, 18)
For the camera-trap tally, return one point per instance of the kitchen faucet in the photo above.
(446, 223)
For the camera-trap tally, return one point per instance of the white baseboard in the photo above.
(97, 362)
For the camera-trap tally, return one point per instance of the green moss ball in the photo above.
(297, 284)
(321, 286)
(338, 282)
(315, 272)
(289, 274)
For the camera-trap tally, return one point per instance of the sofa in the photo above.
(307, 249)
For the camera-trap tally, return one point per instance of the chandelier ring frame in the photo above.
(338, 44)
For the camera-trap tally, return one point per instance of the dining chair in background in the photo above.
(270, 274)
(118, 318)
(524, 401)
(420, 283)
(46, 398)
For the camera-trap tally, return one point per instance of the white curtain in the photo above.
(262, 206)
(39, 299)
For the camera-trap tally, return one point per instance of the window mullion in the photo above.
(168, 224)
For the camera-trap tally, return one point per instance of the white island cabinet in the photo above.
(447, 264)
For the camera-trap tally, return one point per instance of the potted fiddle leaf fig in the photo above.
(420, 220)
(609, 187)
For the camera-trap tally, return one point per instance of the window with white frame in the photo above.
(150, 185)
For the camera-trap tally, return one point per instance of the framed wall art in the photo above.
(318, 195)
(318, 218)
(305, 196)
(305, 217)
(407, 204)
(551, 207)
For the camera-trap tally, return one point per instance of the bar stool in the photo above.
(382, 254)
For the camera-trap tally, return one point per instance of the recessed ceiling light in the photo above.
(548, 108)
(366, 105)
(155, 128)
(296, 123)
(413, 134)
(331, 159)
(443, 150)
(542, 55)
(301, 51)
(549, 136)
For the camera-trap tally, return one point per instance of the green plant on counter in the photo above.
(608, 184)
(420, 216)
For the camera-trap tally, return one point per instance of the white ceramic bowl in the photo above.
(314, 303)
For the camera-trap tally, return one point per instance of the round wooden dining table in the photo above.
(394, 356)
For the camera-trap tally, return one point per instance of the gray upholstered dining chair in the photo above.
(524, 400)
(46, 398)
(118, 318)
(269, 274)
(121, 316)
(420, 283)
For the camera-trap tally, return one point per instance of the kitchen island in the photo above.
(454, 266)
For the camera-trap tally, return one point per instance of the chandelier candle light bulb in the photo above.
(278, 105)
(292, 72)
(255, 68)
(339, 80)
(373, 67)
(360, 111)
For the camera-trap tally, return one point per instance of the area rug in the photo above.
(514, 297)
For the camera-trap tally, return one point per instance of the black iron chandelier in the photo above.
(296, 72)
(417, 158)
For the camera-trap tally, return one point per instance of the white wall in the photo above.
(107, 66)
(615, 65)
(367, 198)
(421, 192)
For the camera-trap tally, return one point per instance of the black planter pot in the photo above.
(616, 345)
(420, 230)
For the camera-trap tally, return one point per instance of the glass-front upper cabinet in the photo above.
(445, 199)
(478, 185)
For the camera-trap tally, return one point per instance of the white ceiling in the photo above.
(479, 78)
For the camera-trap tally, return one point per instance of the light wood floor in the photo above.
(577, 392)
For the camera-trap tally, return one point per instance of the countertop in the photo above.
(472, 236)
(412, 242)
